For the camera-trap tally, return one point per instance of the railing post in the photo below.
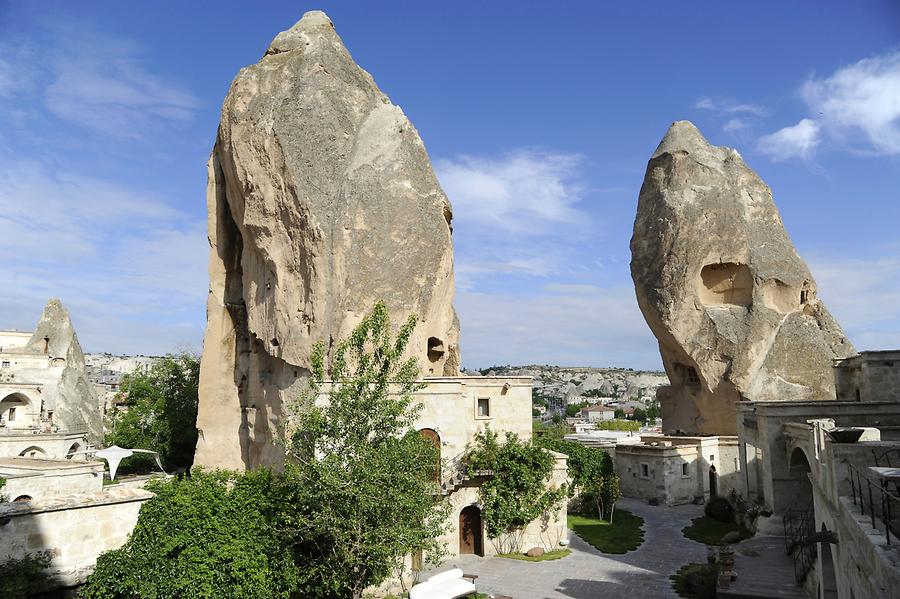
(886, 513)
(871, 504)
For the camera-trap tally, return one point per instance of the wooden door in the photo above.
(470, 531)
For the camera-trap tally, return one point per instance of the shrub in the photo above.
(210, 535)
(696, 581)
(20, 578)
(619, 425)
(720, 509)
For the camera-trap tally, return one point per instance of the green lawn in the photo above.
(709, 531)
(547, 557)
(622, 536)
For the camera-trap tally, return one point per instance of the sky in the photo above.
(539, 119)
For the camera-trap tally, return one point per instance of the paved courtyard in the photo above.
(589, 574)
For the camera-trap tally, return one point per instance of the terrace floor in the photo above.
(588, 574)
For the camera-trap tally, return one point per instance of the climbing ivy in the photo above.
(516, 491)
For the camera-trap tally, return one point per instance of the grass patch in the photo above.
(622, 536)
(696, 581)
(548, 556)
(706, 530)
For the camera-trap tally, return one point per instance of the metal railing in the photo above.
(799, 524)
(876, 502)
(32, 430)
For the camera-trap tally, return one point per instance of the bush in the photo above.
(20, 578)
(210, 535)
(696, 581)
(720, 509)
(619, 425)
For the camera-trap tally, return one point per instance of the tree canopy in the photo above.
(158, 411)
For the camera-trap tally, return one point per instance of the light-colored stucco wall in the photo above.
(76, 531)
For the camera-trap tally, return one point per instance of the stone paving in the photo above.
(589, 574)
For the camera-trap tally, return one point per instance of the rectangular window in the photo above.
(12, 415)
(684, 469)
(5, 363)
(484, 407)
(645, 470)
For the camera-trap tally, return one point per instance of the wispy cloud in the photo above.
(863, 294)
(92, 80)
(729, 106)
(523, 191)
(561, 324)
(799, 140)
(856, 107)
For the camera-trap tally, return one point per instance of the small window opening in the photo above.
(435, 349)
(712, 458)
(858, 396)
(645, 470)
(46, 345)
(12, 415)
(484, 407)
(22, 498)
(5, 363)
(274, 342)
(804, 296)
(684, 469)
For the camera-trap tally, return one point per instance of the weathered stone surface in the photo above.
(64, 388)
(321, 201)
(733, 306)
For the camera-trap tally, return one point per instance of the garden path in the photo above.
(589, 574)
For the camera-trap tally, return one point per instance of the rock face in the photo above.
(54, 361)
(321, 201)
(732, 305)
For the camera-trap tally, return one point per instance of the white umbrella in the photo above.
(115, 454)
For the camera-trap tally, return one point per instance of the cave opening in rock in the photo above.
(435, 349)
(726, 283)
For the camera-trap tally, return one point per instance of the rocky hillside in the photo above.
(567, 384)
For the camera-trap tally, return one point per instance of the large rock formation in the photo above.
(321, 201)
(51, 364)
(733, 306)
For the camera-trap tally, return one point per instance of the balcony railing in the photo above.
(799, 524)
(33, 430)
(876, 501)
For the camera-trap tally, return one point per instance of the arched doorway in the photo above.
(471, 535)
(33, 452)
(799, 471)
(713, 482)
(15, 411)
(76, 447)
(434, 438)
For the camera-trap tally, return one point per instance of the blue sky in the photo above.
(539, 119)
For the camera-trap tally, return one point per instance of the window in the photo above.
(645, 470)
(684, 469)
(5, 363)
(484, 407)
(12, 415)
(712, 458)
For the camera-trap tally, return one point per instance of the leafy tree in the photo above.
(516, 491)
(557, 418)
(574, 408)
(358, 494)
(159, 412)
(208, 536)
(640, 415)
(653, 412)
(619, 425)
(584, 463)
(619, 414)
(557, 430)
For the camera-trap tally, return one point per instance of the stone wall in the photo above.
(869, 376)
(43, 479)
(75, 529)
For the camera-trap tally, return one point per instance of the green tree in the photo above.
(574, 408)
(24, 577)
(557, 418)
(515, 492)
(208, 536)
(619, 413)
(158, 412)
(640, 415)
(584, 463)
(358, 494)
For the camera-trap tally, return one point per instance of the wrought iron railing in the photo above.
(876, 501)
(799, 524)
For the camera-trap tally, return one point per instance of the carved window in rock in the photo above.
(687, 375)
(435, 349)
(726, 284)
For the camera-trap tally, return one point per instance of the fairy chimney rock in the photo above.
(731, 303)
(322, 201)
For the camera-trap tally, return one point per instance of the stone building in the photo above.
(47, 406)
(868, 376)
(674, 470)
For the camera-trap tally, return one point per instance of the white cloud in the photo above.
(120, 258)
(735, 125)
(863, 295)
(562, 324)
(798, 141)
(524, 191)
(858, 106)
(861, 99)
(92, 80)
(730, 106)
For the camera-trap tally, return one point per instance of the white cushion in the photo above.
(448, 575)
